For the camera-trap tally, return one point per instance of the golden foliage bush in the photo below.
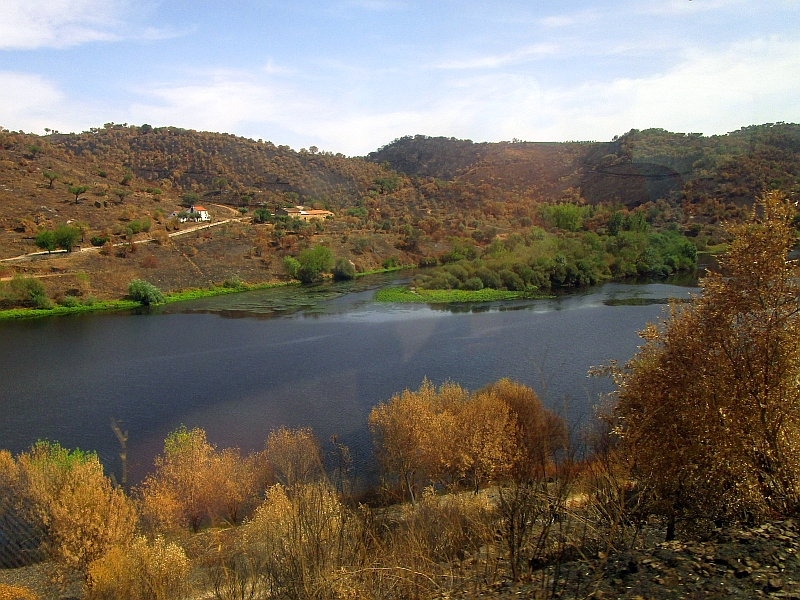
(81, 513)
(299, 539)
(193, 482)
(449, 435)
(142, 570)
(294, 456)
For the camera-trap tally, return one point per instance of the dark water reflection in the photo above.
(318, 357)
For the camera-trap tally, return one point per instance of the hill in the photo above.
(411, 200)
(633, 169)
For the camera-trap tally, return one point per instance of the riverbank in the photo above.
(227, 287)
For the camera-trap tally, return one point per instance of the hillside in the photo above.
(636, 168)
(408, 201)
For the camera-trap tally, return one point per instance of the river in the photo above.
(319, 356)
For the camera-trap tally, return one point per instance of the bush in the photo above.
(143, 570)
(391, 263)
(149, 262)
(428, 261)
(473, 284)
(344, 269)
(24, 291)
(45, 240)
(233, 282)
(70, 302)
(80, 511)
(99, 240)
(291, 266)
(313, 263)
(145, 292)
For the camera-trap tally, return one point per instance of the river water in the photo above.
(319, 356)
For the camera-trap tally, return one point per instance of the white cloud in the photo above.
(748, 83)
(498, 60)
(28, 101)
(31, 24)
(28, 24)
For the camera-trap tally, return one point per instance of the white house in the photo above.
(198, 213)
(194, 213)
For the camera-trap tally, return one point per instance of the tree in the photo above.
(291, 266)
(313, 263)
(709, 409)
(294, 456)
(145, 292)
(401, 429)
(51, 177)
(178, 493)
(66, 236)
(122, 194)
(77, 190)
(46, 240)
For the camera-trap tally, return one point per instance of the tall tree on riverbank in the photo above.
(709, 409)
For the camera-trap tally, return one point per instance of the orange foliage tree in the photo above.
(709, 409)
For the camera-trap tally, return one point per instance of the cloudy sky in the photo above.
(351, 75)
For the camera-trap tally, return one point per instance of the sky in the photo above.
(352, 75)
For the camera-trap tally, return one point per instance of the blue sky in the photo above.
(351, 75)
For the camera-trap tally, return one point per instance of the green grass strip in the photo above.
(100, 305)
(403, 294)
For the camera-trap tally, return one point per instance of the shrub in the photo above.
(344, 269)
(294, 456)
(233, 282)
(15, 592)
(428, 261)
(70, 302)
(313, 263)
(46, 240)
(291, 266)
(149, 262)
(99, 240)
(143, 570)
(25, 291)
(473, 284)
(390, 263)
(83, 515)
(145, 292)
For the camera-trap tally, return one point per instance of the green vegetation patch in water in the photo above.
(403, 294)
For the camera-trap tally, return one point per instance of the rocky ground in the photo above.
(731, 563)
